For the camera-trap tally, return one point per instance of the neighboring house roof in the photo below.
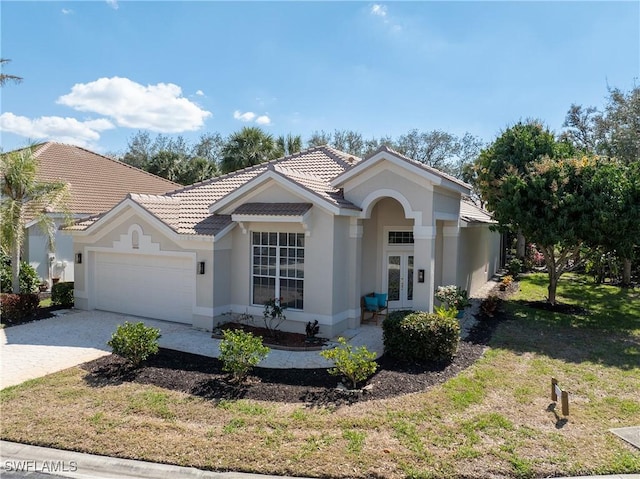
(189, 210)
(97, 183)
(471, 213)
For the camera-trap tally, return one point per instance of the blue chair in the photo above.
(373, 306)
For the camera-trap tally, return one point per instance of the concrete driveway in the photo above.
(42, 347)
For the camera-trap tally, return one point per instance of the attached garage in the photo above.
(152, 286)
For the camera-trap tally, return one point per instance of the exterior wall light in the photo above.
(78, 258)
(201, 267)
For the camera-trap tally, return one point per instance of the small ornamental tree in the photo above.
(135, 342)
(355, 365)
(240, 352)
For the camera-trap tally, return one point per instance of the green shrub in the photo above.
(421, 337)
(355, 365)
(15, 308)
(240, 351)
(29, 279)
(514, 267)
(135, 342)
(62, 294)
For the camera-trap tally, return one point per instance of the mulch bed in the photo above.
(203, 376)
(282, 339)
(40, 313)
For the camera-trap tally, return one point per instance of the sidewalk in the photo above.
(33, 459)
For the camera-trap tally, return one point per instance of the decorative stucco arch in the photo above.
(372, 198)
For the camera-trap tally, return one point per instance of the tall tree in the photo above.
(515, 149)
(615, 132)
(5, 77)
(319, 138)
(247, 147)
(288, 145)
(25, 198)
(434, 148)
(546, 201)
(139, 150)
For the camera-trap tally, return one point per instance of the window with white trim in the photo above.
(278, 268)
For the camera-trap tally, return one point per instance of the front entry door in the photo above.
(400, 280)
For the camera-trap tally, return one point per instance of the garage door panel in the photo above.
(150, 286)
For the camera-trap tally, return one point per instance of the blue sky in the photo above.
(97, 72)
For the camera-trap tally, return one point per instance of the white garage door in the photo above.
(150, 286)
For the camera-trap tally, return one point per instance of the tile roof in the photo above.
(97, 183)
(471, 213)
(273, 209)
(186, 210)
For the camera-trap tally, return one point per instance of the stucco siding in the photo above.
(479, 256)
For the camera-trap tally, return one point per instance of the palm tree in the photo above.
(26, 198)
(247, 147)
(288, 145)
(4, 78)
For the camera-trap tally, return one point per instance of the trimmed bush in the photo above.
(135, 342)
(62, 294)
(420, 337)
(15, 308)
(355, 365)
(240, 352)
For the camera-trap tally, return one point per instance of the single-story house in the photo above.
(97, 183)
(318, 229)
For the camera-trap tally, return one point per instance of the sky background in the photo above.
(97, 72)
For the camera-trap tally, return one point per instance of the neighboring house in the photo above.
(97, 183)
(318, 229)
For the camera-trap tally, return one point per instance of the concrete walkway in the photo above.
(35, 459)
(43, 347)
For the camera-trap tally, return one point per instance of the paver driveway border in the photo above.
(43, 347)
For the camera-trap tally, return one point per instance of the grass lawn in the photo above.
(494, 419)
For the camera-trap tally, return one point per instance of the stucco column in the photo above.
(450, 254)
(355, 270)
(424, 258)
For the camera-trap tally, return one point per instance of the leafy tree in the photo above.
(5, 77)
(247, 147)
(24, 197)
(581, 124)
(613, 190)
(209, 146)
(167, 164)
(319, 138)
(434, 148)
(139, 150)
(288, 145)
(514, 150)
(559, 204)
(614, 133)
(197, 169)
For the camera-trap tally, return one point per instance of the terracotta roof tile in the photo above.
(97, 183)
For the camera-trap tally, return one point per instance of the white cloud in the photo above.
(65, 130)
(378, 10)
(263, 120)
(160, 107)
(67, 11)
(113, 4)
(200, 93)
(247, 116)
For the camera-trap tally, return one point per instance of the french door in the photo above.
(399, 279)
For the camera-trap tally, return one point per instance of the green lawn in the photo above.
(493, 419)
